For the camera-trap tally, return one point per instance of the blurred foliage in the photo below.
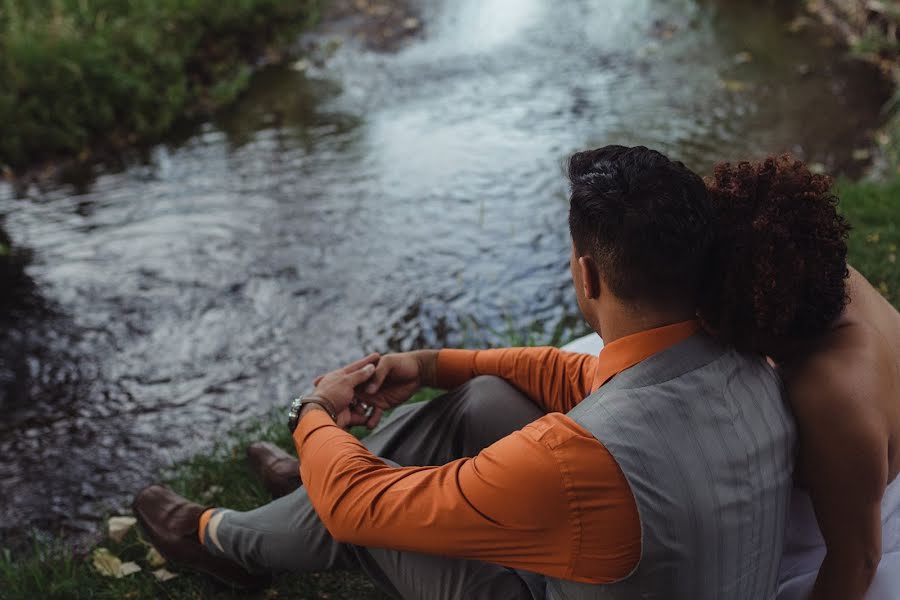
(74, 73)
(873, 208)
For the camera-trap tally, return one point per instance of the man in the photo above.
(660, 470)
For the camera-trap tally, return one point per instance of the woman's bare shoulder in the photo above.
(842, 374)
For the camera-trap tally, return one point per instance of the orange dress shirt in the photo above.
(548, 498)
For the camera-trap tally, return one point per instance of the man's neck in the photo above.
(624, 321)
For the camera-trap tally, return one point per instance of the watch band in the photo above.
(298, 404)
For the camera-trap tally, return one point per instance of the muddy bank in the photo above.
(380, 25)
(870, 27)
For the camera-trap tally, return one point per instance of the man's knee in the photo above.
(493, 404)
(487, 394)
(489, 386)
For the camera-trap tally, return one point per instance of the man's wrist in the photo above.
(427, 367)
(309, 407)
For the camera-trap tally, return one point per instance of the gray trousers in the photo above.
(287, 535)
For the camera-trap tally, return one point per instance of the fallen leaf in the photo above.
(861, 154)
(106, 563)
(300, 65)
(733, 85)
(118, 527)
(411, 23)
(164, 574)
(742, 58)
(154, 558)
(129, 568)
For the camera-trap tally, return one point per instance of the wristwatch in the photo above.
(297, 406)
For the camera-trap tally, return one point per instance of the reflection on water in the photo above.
(383, 202)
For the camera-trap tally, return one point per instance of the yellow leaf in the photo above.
(106, 563)
(164, 575)
(733, 85)
(118, 527)
(128, 568)
(154, 558)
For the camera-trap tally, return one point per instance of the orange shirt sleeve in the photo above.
(552, 378)
(573, 516)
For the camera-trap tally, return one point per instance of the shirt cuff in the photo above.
(311, 422)
(454, 368)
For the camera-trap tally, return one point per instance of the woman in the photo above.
(844, 386)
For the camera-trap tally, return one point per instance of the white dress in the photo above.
(804, 547)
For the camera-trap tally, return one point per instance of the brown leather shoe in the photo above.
(171, 524)
(278, 471)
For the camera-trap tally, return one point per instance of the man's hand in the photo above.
(395, 379)
(398, 376)
(340, 389)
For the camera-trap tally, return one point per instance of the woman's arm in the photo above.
(844, 465)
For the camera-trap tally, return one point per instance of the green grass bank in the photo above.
(78, 76)
(53, 571)
(871, 30)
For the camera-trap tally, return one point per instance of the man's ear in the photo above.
(590, 277)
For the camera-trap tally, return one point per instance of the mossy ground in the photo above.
(81, 75)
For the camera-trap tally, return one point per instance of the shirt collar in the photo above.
(628, 351)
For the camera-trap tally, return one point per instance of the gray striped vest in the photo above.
(706, 442)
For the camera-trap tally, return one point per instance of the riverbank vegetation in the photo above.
(82, 75)
(53, 571)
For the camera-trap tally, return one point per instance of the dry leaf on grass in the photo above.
(106, 563)
(118, 527)
(154, 558)
(164, 574)
(109, 565)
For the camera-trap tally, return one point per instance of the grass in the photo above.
(53, 571)
(80, 74)
(873, 209)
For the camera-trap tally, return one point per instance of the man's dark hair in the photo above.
(645, 220)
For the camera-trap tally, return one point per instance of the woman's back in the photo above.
(845, 393)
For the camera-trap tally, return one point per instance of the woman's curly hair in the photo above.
(779, 263)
